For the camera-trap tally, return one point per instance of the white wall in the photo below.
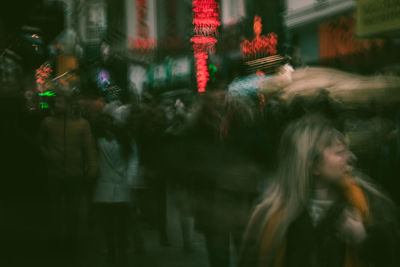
(131, 20)
(302, 12)
(232, 11)
(299, 4)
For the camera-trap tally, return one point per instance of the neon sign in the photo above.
(144, 44)
(261, 45)
(48, 93)
(44, 105)
(42, 74)
(206, 22)
(212, 69)
(141, 14)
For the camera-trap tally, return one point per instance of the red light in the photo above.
(141, 14)
(203, 41)
(259, 72)
(144, 44)
(261, 45)
(201, 70)
(42, 74)
(206, 21)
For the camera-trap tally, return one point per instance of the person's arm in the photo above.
(89, 150)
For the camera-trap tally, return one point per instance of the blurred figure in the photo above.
(318, 211)
(180, 177)
(67, 145)
(151, 141)
(221, 158)
(112, 189)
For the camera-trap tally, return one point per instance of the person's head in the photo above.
(311, 150)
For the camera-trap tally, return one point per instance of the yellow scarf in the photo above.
(357, 199)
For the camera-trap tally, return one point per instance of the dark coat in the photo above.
(321, 246)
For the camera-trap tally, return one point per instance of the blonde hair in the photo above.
(287, 195)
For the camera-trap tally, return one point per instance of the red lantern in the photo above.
(206, 21)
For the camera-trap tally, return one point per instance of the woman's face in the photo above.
(334, 163)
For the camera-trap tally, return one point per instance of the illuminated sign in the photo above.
(206, 22)
(103, 79)
(261, 45)
(143, 44)
(48, 93)
(42, 74)
(181, 68)
(170, 72)
(212, 69)
(141, 14)
(44, 105)
(376, 17)
(337, 38)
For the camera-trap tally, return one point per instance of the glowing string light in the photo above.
(206, 22)
(48, 93)
(261, 45)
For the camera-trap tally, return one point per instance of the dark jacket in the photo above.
(322, 246)
(68, 147)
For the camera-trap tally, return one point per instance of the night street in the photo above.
(200, 133)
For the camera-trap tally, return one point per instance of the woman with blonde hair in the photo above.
(317, 210)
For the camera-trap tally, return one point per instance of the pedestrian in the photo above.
(68, 148)
(112, 189)
(318, 211)
(222, 160)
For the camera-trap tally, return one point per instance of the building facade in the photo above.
(329, 32)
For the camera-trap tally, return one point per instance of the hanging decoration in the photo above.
(42, 75)
(206, 22)
(261, 45)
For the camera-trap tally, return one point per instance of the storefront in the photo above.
(170, 75)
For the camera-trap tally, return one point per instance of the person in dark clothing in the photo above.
(319, 211)
(148, 131)
(68, 148)
(226, 174)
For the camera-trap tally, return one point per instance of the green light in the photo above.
(48, 93)
(212, 68)
(44, 105)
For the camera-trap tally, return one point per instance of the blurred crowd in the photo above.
(217, 151)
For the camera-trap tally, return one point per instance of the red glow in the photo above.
(141, 14)
(42, 74)
(206, 21)
(202, 70)
(203, 41)
(261, 45)
(144, 44)
(259, 72)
